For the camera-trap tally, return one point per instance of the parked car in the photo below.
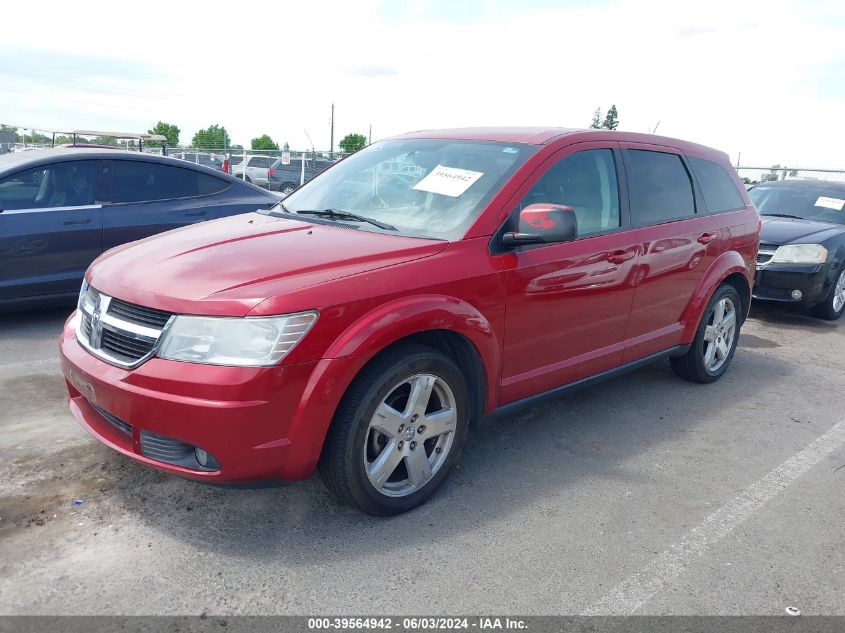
(253, 170)
(60, 208)
(802, 244)
(212, 161)
(363, 329)
(286, 178)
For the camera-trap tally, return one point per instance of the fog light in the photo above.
(202, 456)
(797, 294)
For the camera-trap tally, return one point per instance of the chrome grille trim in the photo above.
(765, 253)
(112, 338)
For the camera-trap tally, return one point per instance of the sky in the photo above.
(764, 79)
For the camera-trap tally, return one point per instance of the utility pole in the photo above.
(370, 141)
(331, 142)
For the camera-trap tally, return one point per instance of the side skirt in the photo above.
(516, 405)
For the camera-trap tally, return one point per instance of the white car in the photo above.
(253, 169)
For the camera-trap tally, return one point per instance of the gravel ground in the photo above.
(644, 494)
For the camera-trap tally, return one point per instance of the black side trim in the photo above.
(516, 405)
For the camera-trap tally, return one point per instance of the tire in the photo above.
(360, 441)
(247, 179)
(712, 348)
(287, 188)
(832, 306)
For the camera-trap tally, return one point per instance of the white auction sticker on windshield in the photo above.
(448, 181)
(830, 203)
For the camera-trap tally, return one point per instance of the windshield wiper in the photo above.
(784, 215)
(340, 214)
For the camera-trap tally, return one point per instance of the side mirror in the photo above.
(543, 224)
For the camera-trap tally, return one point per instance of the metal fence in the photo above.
(755, 175)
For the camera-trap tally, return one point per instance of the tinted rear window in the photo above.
(136, 181)
(659, 187)
(720, 192)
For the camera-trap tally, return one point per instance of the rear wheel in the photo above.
(287, 188)
(832, 307)
(397, 432)
(715, 340)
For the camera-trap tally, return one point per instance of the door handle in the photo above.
(619, 257)
(80, 221)
(705, 238)
(196, 214)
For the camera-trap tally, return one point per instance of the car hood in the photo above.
(794, 231)
(229, 266)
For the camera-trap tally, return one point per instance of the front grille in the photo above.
(765, 253)
(117, 331)
(139, 314)
(116, 422)
(125, 347)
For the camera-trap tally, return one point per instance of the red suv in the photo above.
(364, 323)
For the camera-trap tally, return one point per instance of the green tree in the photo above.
(105, 140)
(165, 129)
(774, 174)
(611, 119)
(286, 146)
(264, 142)
(352, 143)
(213, 137)
(596, 124)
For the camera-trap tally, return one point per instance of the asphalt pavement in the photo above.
(645, 494)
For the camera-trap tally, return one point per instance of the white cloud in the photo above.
(743, 77)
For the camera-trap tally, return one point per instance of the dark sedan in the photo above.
(285, 178)
(60, 208)
(802, 244)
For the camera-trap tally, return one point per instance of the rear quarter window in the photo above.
(717, 187)
(659, 187)
(137, 181)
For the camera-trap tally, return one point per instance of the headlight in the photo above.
(800, 254)
(246, 342)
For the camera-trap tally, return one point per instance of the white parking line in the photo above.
(30, 363)
(634, 591)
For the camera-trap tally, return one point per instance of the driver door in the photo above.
(568, 303)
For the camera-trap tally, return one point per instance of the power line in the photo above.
(129, 92)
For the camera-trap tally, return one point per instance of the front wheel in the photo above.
(398, 431)
(832, 306)
(715, 340)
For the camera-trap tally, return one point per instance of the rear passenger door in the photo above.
(258, 168)
(679, 240)
(145, 198)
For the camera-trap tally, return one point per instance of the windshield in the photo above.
(821, 203)
(425, 188)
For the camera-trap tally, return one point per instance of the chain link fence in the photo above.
(755, 175)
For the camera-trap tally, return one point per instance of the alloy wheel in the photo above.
(719, 334)
(410, 435)
(839, 293)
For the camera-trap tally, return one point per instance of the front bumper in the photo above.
(775, 282)
(261, 423)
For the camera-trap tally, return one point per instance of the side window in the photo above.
(65, 184)
(137, 181)
(261, 161)
(659, 187)
(717, 186)
(585, 181)
(207, 185)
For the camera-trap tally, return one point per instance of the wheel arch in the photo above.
(730, 268)
(444, 323)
